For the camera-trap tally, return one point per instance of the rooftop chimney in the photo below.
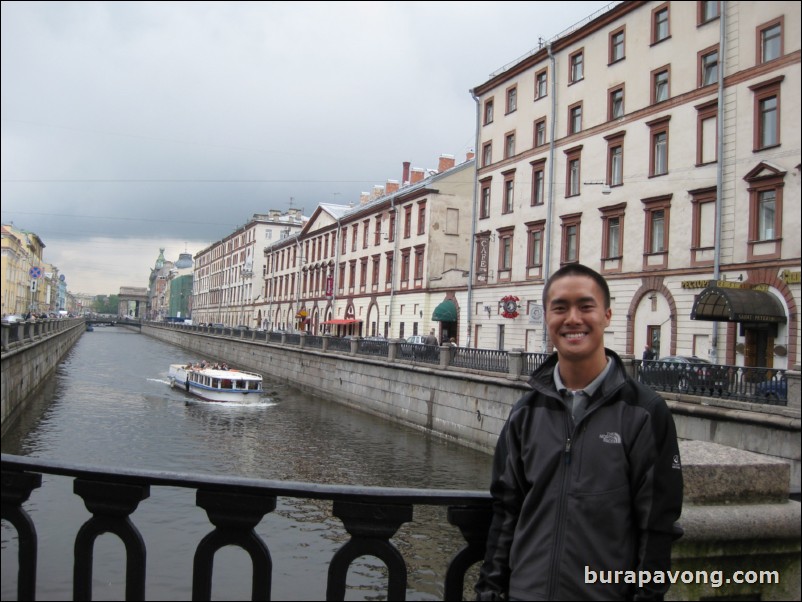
(418, 174)
(446, 163)
(470, 155)
(391, 187)
(377, 192)
(405, 174)
(364, 197)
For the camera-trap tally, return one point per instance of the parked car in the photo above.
(12, 318)
(241, 327)
(687, 374)
(773, 390)
(217, 325)
(416, 340)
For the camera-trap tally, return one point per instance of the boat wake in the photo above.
(263, 402)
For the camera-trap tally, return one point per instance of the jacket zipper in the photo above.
(558, 548)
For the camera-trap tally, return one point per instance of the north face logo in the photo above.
(613, 438)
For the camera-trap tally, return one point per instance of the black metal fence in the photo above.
(741, 383)
(234, 507)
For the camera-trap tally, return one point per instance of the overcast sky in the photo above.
(127, 127)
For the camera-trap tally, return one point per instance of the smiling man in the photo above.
(586, 477)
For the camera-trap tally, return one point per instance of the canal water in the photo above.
(110, 405)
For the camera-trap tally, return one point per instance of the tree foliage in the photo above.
(106, 304)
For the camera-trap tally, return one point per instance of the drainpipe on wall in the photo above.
(472, 256)
(335, 276)
(550, 196)
(713, 351)
(395, 259)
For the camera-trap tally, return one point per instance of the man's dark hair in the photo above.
(577, 269)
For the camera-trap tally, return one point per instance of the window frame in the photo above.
(656, 22)
(615, 141)
(657, 128)
(421, 217)
(506, 248)
(611, 102)
(487, 153)
(539, 122)
(569, 222)
(535, 239)
(612, 263)
(702, 66)
(656, 73)
(488, 112)
(511, 96)
(762, 92)
(538, 183)
(576, 66)
(575, 118)
(542, 81)
(651, 207)
(613, 45)
(509, 144)
(573, 156)
(701, 17)
(760, 32)
(705, 112)
(508, 200)
(699, 199)
(485, 198)
(764, 178)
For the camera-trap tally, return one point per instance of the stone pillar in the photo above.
(392, 349)
(736, 516)
(515, 367)
(326, 339)
(302, 340)
(445, 356)
(629, 365)
(794, 392)
(354, 345)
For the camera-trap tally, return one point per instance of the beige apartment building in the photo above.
(395, 265)
(229, 274)
(659, 143)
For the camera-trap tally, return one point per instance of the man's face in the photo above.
(576, 317)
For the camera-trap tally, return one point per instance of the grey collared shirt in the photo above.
(578, 401)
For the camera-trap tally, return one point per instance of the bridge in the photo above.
(116, 321)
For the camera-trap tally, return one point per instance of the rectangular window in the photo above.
(573, 177)
(708, 66)
(509, 145)
(505, 252)
(488, 111)
(345, 241)
(535, 250)
(660, 152)
(660, 24)
(512, 99)
(570, 239)
(660, 85)
(706, 135)
(766, 215)
(487, 153)
(363, 272)
(355, 232)
(509, 192)
(541, 84)
(538, 183)
(615, 172)
(708, 11)
(703, 226)
(577, 67)
(375, 262)
(391, 227)
(613, 237)
(484, 208)
(658, 160)
(421, 218)
(365, 233)
(377, 234)
(540, 132)
(407, 221)
(769, 132)
(575, 118)
(770, 40)
(657, 231)
(418, 264)
(616, 46)
(616, 103)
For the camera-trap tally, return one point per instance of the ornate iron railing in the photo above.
(741, 383)
(489, 360)
(234, 507)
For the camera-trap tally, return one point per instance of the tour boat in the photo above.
(214, 383)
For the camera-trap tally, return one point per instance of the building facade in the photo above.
(383, 267)
(659, 143)
(29, 285)
(228, 274)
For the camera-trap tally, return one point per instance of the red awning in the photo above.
(341, 322)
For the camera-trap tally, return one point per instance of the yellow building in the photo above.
(24, 278)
